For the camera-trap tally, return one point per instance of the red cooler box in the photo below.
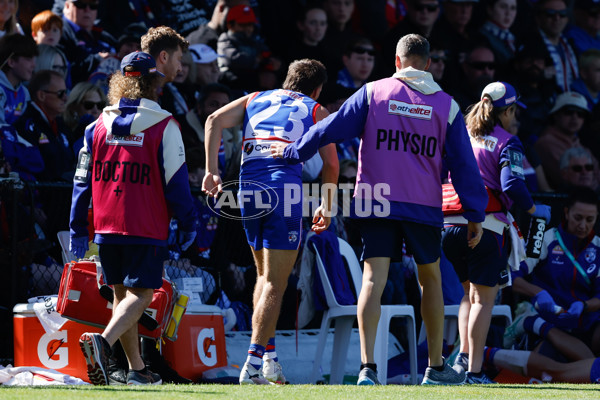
(200, 343)
(60, 350)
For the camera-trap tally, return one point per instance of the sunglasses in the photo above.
(580, 168)
(555, 13)
(82, 4)
(88, 105)
(436, 59)
(570, 112)
(58, 93)
(481, 65)
(363, 50)
(429, 7)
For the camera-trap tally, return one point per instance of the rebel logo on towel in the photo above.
(409, 110)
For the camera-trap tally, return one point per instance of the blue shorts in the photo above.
(481, 265)
(270, 223)
(133, 265)
(384, 238)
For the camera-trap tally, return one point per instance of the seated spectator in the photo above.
(339, 33)
(17, 58)
(359, 61)
(50, 57)
(584, 34)
(589, 82)
(87, 47)
(501, 15)
(178, 96)
(551, 18)
(577, 169)
(563, 285)
(421, 16)
(477, 71)
(8, 18)
(129, 41)
(84, 105)
(205, 65)
(46, 28)
(42, 125)
(438, 57)
(565, 121)
(211, 98)
(311, 25)
(243, 52)
(209, 33)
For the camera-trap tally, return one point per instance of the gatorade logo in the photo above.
(207, 351)
(52, 350)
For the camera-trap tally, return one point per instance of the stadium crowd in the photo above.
(57, 57)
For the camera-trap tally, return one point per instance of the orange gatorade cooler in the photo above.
(36, 348)
(200, 343)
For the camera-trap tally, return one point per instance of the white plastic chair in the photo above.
(344, 316)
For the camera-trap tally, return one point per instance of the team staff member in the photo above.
(282, 115)
(137, 176)
(407, 125)
(499, 156)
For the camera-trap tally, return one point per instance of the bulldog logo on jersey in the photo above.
(590, 255)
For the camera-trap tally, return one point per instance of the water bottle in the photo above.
(535, 237)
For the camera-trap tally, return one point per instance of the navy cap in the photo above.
(502, 94)
(139, 63)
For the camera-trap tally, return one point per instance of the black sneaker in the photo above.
(117, 376)
(96, 352)
(140, 378)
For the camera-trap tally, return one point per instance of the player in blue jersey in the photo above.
(281, 115)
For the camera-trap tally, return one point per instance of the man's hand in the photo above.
(544, 302)
(320, 220)
(277, 149)
(186, 239)
(474, 232)
(212, 184)
(79, 246)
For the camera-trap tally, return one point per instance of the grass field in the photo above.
(305, 392)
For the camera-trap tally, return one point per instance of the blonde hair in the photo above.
(75, 98)
(133, 87)
(482, 116)
(10, 26)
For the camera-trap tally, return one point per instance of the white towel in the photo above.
(35, 376)
(517, 248)
(45, 309)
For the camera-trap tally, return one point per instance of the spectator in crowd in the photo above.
(359, 61)
(577, 169)
(273, 237)
(210, 98)
(50, 57)
(8, 18)
(438, 62)
(584, 34)
(184, 82)
(532, 74)
(477, 71)
(565, 121)
(17, 58)
(205, 65)
(84, 105)
(456, 33)
(421, 16)
(89, 48)
(479, 268)
(133, 250)
(496, 29)
(209, 33)
(243, 52)
(129, 41)
(361, 115)
(551, 18)
(339, 33)
(312, 25)
(46, 28)
(589, 82)
(563, 285)
(42, 125)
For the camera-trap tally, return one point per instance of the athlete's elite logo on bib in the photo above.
(410, 110)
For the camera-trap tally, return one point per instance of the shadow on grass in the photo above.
(119, 388)
(540, 386)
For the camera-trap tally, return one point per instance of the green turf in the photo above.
(305, 392)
